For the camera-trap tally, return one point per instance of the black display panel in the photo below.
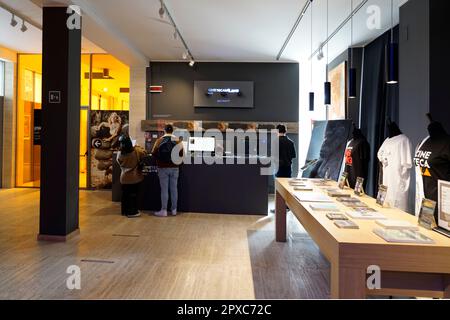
(224, 94)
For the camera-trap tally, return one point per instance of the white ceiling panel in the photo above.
(218, 30)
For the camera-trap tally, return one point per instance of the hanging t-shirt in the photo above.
(395, 156)
(432, 160)
(356, 160)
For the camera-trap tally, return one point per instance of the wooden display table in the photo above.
(414, 270)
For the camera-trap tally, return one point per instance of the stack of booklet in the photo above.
(366, 215)
(337, 193)
(346, 224)
(324, 206)
(342, 221)
(321, 183)
(353, 203)
(300, 184)
(397, 225)
(312, 197)
(403, 236)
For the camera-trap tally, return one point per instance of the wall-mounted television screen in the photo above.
(224, 94)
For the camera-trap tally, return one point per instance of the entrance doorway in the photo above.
(2, 99)
(104, 86)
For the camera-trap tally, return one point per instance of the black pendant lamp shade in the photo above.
(311, 101)
(392, 63)
(352, 83)
(327, 93)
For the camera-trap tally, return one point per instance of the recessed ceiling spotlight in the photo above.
(175, 34)
(13, 21)
(24, 28)
(162, 11)
(191, 63)
(184, 56)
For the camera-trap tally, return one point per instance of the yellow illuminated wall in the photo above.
(105, 83)
(110, 92)
(28, 156)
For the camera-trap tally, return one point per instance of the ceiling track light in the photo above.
(162, 11)
(24, 28)
(177, 34)
(341, 26)
(13, 21)
(294, 29)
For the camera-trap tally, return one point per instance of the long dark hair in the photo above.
(126, 145)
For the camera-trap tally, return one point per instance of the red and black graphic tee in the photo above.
(433, 160)
(357, 156)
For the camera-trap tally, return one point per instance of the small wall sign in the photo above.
(156, 89)
(54, 97)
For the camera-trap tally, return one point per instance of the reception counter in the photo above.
(227, 189)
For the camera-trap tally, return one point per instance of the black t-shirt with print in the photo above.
(433, 158)
(357, 156)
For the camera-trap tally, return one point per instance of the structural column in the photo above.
(61, 65)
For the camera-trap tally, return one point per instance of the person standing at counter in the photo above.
(168, 171)
(286, 154)
(129, 158)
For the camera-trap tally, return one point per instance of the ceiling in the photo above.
(216, 30)
(30, 41)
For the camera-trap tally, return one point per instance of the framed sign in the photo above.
(338, 78)
(426, 215)
(359, 187)
(444, 204)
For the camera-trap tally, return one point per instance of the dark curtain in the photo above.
(379, 101)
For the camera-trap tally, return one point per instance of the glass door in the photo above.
(2, 97)
(28, 155)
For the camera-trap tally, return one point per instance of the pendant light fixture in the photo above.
(352, 69)
(392, 54)
(311, 93)
(327, 86)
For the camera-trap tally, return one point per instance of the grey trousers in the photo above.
(168, 179)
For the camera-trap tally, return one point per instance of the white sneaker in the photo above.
(162, 213)
(137, 215)
(174, 212)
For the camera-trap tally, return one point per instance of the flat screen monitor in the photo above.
(202, 144)
(224, 94)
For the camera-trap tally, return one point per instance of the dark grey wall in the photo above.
(276, 88)
(439, 67)
(414, 77)
(414, 69)
(424, 45)
(352, 104)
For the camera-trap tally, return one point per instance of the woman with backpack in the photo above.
(168, 171)
(129, 159)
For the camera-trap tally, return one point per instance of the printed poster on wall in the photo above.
(106, 127)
